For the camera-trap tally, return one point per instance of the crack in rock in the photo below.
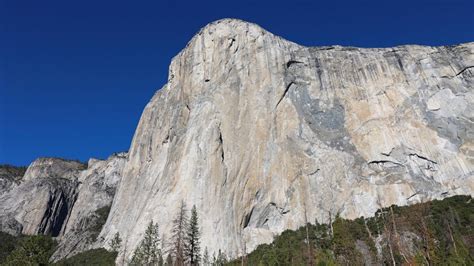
(284, 94)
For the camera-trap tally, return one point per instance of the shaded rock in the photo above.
(38, 206)
(61, 198)
(41, 200)
(95, 194)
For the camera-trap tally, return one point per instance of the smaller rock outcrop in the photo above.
(96, 190)
(54, 168)
(38, 206)
(62, 198)
(40, 201)
(10, 176)
(37, 200)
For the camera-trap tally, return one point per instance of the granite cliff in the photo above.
(263, 135)
(61, 198)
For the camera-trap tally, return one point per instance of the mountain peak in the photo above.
(231, 24)
(215, 34)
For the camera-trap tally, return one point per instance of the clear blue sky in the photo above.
(76, 75)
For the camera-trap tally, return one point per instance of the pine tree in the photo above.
(148, 251)
(192, 248)
(214, 259)
(180, 225)
(161, 262)
(115, 243)
(221, 259)
(169, 260)
(206, 260)
(32, 250)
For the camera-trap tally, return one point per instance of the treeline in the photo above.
(25, 250)
(431, 233)
(37, 250)
(183, 248)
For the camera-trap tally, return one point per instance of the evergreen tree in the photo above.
(214, 259)
(32, 250)
(161, 262)
(221, 259)
(116, 242)
(169, 260)
(164, 245)
(148, 251)
(206, 260)
(180, 225)
(192, 248)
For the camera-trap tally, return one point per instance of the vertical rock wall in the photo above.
(262, 135)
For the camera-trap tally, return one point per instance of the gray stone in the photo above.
(95, 194)
(61, 198)
(54, 168)
(263, 135)
(37, 206)
(40, 200)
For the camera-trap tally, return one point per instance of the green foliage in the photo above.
(8, 243)
(97, 257)
(443, 235)
(451, 222)
(343, 241)
(169, 260)
(221, 259)
(325, 257)
(116, 242)
(192, 249)
(32, 250)
(346, 235)
(180, 225)
(11, 172)
(97, 222)
(206, 260)
(148, 251)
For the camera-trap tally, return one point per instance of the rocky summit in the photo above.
(264, 135)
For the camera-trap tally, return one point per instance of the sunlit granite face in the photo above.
(262, 134)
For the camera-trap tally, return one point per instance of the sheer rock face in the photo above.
(96, 191)
(40, 201)
(61, 198)
(37, 206)
(262, 134)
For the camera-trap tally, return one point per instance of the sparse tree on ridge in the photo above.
(214, 259)
(180, 226)
(148, 251)
(192, 249)
(221, 259)
(169, 260)
(116, 242)
(206, 260)
(161, 261)
(166, 250)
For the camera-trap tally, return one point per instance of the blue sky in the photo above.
(76, 75)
